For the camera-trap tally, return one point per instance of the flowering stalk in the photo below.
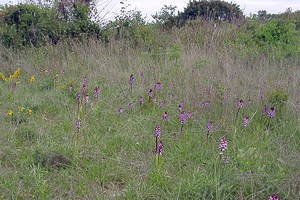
(159, 152)
(239, 105)
(131, 81)
(78, 126)
(157, 133)
(271, 115)
(208, 127)
(223, 146)
(182, 117)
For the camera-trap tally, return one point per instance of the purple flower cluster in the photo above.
(182, 117)
(131, 80)
(160, 148)
(180, 106)
(96, 91)
(157, 86)
(240, 104)
(78, 124)
(246, 121)
(274, 196)
(165, 116)
(141, 100)
(271, 112)
(209, 126)
(223, 145)
(157, 131)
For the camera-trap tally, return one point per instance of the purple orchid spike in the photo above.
(182, 117)
(78, 97)
(83, 89)
(271, 112)
(141, 100)
(120, 110)
(265, 110)
(78, 124)
(70, 88)
(150, 93)
(274, 196)
(130, 105)
(162, 103)
(131, 80)
(246, 121)
(96, 91)
(165, 116)
(223, 145)
(249, 102)
(84, 81)
(154, 100)
(157, 131)
(86, 98)
(209, 126)
(170, 85)
(189, 115)
(180, 106)
(240, 104)
(157, 86)
(160, 148)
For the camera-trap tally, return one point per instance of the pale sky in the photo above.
(149, 7)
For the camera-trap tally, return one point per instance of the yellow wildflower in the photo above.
(29, 111)
(10, 112)
(21, 108)
(11, 77)
(16, 73)
(32, 79)
(2, 76)
(56, 75)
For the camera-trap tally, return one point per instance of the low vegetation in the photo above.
(209, 110)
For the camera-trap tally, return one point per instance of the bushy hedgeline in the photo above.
(203, 121)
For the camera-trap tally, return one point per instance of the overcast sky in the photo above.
(149, 7)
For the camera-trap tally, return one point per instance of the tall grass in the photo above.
(197, 65)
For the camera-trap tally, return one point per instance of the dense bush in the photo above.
(210, 10)
(273, 35)
(33, 25)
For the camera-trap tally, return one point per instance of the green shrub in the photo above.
(33, 25)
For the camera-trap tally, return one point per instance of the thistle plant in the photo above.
(209, 126)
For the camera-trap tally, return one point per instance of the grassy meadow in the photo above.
(56, 144)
